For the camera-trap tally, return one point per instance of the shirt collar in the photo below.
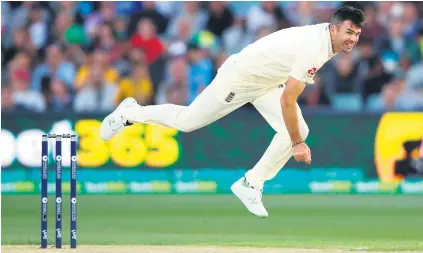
(330, 51)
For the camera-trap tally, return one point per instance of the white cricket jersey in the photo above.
(298, 52)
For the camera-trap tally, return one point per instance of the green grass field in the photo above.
(296, 221)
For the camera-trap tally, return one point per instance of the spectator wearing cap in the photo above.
(200, 71)
(138, 85)
(56, 66)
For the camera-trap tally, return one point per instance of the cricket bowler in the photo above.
(270, 73)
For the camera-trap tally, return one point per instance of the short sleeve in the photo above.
(304, 67)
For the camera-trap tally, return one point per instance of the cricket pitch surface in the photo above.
(171, 249)
(221, 224)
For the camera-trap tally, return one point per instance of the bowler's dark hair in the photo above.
(348, 13)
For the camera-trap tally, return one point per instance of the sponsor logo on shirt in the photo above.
(311, 72)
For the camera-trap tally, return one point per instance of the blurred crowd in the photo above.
(88, 56)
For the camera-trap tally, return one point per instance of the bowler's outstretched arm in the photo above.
(293, 89)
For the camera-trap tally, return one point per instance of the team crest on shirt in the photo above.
(311, 72)
(230, 96)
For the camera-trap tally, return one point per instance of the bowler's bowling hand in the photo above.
(302, 153)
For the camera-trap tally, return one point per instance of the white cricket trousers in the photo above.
(229, 90)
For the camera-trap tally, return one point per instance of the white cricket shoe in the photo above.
(115, 122)
(250, 197)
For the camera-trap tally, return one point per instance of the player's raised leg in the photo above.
(221, 97)
(280, 149)
(249, 188)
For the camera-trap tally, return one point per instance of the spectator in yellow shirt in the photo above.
(100, 58)
(138, 85)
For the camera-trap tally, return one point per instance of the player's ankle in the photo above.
(252, 184)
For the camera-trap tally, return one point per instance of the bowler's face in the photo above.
(346, 36)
